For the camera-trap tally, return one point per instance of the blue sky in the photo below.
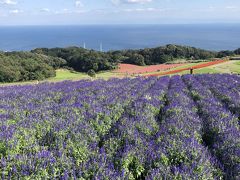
(64, 12)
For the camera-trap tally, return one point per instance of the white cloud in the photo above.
(231, 7)
(15, 11)
(64, 11)
(8, 2)
(116, 2)
(45, 10)
(137, 1)
(78, 4)
(143, 10)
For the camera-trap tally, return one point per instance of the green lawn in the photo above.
(63, 74)
(227, 67)
(206, 70)
(187, 65)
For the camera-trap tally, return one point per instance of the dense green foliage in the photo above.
(83, 60)
(237, 51)
(225, 53)
(80, 59)
(164, 54)
(91, 73)
(24, 66)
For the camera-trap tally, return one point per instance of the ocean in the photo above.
(118, 37)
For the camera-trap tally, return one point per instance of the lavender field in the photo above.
(180, 127)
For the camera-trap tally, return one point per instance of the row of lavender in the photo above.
(226, 88)
(220, 127)
(154, 128)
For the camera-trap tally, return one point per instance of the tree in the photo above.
(237, 51)
(225, 53)
(137, 59)
(91, 73)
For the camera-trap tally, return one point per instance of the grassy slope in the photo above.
(227, 67)
(230, 67)
(63, 74)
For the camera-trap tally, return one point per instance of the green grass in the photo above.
(236, 67)
(187, 61)
(188, 65)
(108, 74)
(206, 70)
(227, 67)
(63, 74)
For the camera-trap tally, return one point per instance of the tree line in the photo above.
(83, 60)
(41, 63)
(80, 59)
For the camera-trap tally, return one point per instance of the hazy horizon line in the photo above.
(124, 24)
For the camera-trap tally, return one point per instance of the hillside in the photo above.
(41, 63)
(83, 60)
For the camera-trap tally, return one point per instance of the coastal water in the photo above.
(116, 37)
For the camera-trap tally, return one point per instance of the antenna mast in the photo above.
(101, 47)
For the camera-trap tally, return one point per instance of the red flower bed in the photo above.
(133, 69)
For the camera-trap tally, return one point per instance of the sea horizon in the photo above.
(217, 36)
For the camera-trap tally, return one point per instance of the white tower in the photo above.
(84, 45)
(101, 47)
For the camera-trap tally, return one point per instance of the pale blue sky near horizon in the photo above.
(78, 12)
